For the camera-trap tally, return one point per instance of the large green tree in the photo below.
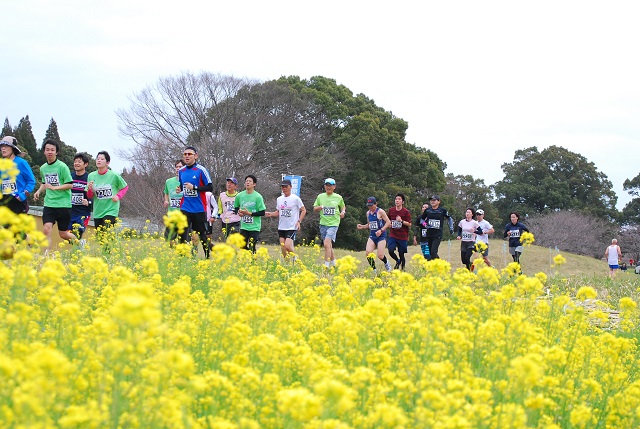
(463, 191)
(631, 212)
(554, 179)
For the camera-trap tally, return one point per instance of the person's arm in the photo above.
(303, 213)
(121, 193)
(385, 218)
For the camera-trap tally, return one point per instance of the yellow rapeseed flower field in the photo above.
(133, 333)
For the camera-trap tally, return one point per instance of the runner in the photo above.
(249, 204)
(81, 204)
(467, 229)
(290, 211)
(194, 183)
(613, 255)
(15, 192)
(399, 232)
(107, 188)
(212, 215)
(332, 209)
(172, 200)
(421, 232)
(377, 224)
(487, 229)
(514, 230)
(57, 184)
(230, 220)
(434, 217)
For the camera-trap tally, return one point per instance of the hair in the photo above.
(401, 196)
(105, 154)
(81, 155)
(473, 212)
(614, 241)
(52, 142)
(255, 181)
(515, 213)
(192, 148)
(178, 162)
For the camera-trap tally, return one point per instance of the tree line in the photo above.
(317, 128)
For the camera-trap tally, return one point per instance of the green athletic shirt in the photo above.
(254, 203)
(105, 187)
(56, 174)
(174, 197)
(332, 206)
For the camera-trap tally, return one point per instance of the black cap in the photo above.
(286, 182)
(435, 197)
(371, 201)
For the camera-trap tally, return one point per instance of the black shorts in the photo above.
(57, 214)
(287, 233)
(104, 222)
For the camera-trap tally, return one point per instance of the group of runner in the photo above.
(71, 199)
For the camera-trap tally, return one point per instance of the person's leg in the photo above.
(64, 219)
(402, 250)
(382, 245)
(425, 251)
(368, 251)
(391, 247)
(485, 256)
(434, 245)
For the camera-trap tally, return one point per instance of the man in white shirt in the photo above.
(290, 211)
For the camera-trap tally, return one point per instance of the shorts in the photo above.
(513, 250)
(230, 228)
(105, 222)
(376, 240)
(82, 220)
(614, 267)
(393, 242)
(57, 214)
(287, 233)
(328, 232)
(208, 228)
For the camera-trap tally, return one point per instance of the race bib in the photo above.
(8, 187)
(467, 236)
(328, 211)
(228, 206)
(424, 232)
(396, 224)
(76, 199)
(373, 226)
(190, 192)
(175, 203)
(52, 179)
(247, 219)
(104, 192)
(515, 233)
(434, 223)
(285, 212)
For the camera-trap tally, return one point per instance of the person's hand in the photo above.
(90, 186)
(166, 204)
(115, 198)
(36, 195)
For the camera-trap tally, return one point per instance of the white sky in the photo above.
(474, 80)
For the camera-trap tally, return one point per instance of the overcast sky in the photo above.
(474, 80)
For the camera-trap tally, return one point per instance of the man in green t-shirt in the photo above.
(172, 199)
(249, 204)
(57, 184)
(332, 208)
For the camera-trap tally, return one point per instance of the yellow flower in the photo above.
(236, 240)
(586, 292)
(176, 221)
(559, 259)
(627, 304)
(527, 238)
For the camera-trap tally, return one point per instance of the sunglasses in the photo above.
(188, 153)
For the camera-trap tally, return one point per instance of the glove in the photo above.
(450, 231)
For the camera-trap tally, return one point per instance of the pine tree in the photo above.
(66, 152)
(6, 129)
(24, 134)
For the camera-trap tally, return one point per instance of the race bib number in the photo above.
(52, 179)
(434, 223)
(467, 236)
(396, 224)
(247, 219)
(175, 203)
(8, 187)
(424, 232)
(515, 233)
(104, 192)
(228, 206)
(76, 199)
(373, 226)
(328, 211)
(190, 192)
(285, 212)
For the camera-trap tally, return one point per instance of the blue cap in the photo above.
(371, 201)
(329, 181)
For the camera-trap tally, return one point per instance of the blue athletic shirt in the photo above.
(375, 224)
(194, 201)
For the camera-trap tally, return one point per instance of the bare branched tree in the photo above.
(572, 231)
